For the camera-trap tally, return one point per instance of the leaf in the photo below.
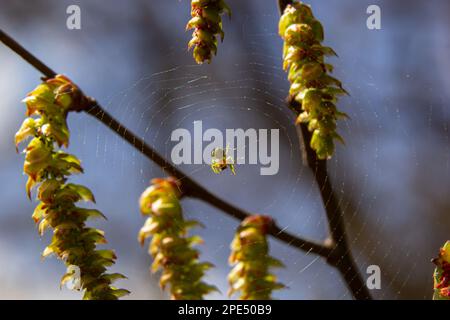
(38, 157)
(157, 262)
(335, 91)
(318, 30)
(311, 71)
(27, 129)
(328, 51)
(338, 138)
(56, 128)
(91, 213)
(72, 275)
(120, 292)
(107, 254)
(275, 263)
(39, 99)
(66, 225)
(48, 189)
(66, 195)
(94, 235)
(39, 212)
(65, 278)
(147, 230)
(84, 193)
(166, 277)
(196, 22)
(225, 8)
(30, 184)
(43, 225)
(68, 162)
(114, 276)
(192, 224)
(312, 100)
(47, 252)
(194, 240)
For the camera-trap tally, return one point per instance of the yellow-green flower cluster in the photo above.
(207, 24)
(311, 85)
(250, 258)
(442, 274)
(170, 247)
(48, 168)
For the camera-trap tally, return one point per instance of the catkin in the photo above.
(311, 85)
(207, 24)
(49, 168)
(170, 247)
(442, 274)
(251, 261)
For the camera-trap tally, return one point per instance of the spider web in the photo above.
(174, 98)
(373, 174)
(252, 95)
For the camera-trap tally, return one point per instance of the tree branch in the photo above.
(341, 256)
(190, 187)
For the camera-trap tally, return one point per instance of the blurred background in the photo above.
(392, 176)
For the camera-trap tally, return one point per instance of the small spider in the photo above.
(220, 160)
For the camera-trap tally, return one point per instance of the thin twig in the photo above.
(342, 258)
(190, 187)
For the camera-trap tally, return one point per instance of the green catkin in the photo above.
(48, 168)
(250, 257)
(207, 24)
(170, 247)
(441, 274)
(311, 85)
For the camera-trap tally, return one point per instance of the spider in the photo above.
(220, 160)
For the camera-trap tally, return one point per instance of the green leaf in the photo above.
(194, 240)
(90, 213)
(114, 276)
(275, 263)
(192, 224)
(94, 235)
(43, 225)
(107, 254)
(84, 193)
(39, 212)
(47, 251)
(27, 129)
(120, 292)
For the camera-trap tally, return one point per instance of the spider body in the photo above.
(220, 160)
